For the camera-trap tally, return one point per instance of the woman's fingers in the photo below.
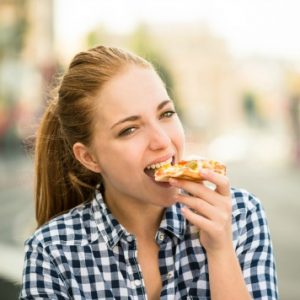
(220, 214)
(200, 221)
(214, 205)
(199, 206)
(209, 210)
(199, 189)
(221, 182)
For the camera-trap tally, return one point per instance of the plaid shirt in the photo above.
(87, 254)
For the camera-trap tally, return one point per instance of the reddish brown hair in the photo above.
(61, 181)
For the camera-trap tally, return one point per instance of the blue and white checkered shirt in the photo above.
(87, 254)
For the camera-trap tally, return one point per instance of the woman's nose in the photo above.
(158, 138)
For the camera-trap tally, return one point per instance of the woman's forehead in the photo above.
(134, 90)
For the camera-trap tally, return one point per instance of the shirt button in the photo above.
(161, 236)
(170, 275)
(129, 238)
(137, 282)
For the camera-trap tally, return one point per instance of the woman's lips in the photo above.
(152, 178)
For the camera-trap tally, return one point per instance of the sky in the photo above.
(267, 27)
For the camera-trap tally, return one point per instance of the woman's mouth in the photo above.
(150, 169)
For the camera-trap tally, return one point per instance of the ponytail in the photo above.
(61, 181)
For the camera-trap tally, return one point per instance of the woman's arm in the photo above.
(225, 277)
(211, 211)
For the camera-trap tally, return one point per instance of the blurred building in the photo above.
(204, 72)
(26, 65)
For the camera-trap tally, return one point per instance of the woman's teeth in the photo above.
(158, 165)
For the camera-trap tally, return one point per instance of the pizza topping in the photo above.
(188, 169)
(193, 164)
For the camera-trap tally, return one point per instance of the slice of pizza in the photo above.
(188, 170)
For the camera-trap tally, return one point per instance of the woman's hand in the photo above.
(209, 210)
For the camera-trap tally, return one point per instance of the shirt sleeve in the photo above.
(255, 253)
(41, 279)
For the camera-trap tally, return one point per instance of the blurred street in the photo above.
(277, 187)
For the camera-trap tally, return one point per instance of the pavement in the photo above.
(277, 185)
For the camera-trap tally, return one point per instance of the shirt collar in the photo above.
(112, 231)
(173, 221)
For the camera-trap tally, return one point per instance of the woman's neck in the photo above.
(140, 219)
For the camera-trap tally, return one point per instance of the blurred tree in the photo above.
(141, 42)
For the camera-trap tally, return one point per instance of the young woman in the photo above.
(107, 229)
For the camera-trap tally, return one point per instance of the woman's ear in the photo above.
(85, 157)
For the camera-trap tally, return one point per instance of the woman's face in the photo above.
(136, 127)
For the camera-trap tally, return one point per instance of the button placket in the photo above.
(167, 263)
(135, 275)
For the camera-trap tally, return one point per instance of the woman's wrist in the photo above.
(221, 253)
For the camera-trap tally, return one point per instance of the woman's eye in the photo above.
(168, 114)
(127, 131)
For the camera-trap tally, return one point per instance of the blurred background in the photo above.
(233, 69)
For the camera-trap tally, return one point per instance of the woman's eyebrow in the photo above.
(128, 119)
(162, 104)
(134, 118)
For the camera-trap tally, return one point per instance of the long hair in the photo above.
(61, 181)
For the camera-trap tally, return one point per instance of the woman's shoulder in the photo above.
(244, 201)
(71, 228)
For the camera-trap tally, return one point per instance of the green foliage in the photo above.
(96, 37)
